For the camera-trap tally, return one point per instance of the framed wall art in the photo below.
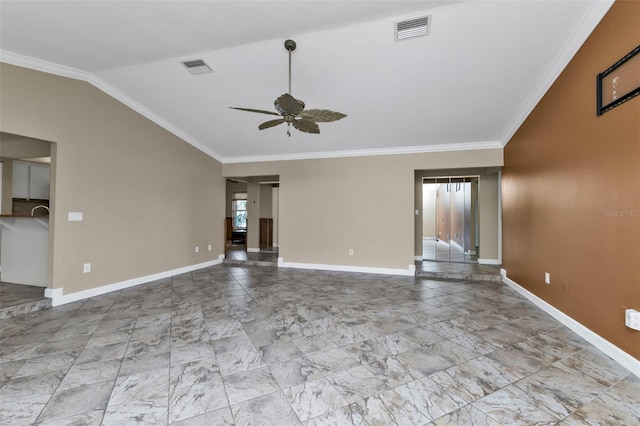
(619, 83)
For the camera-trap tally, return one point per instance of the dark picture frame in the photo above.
(618, 83)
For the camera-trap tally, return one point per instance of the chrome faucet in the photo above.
(42, 206)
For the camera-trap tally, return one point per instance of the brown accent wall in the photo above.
(566, 170)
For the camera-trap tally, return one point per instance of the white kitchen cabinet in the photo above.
(20, 180)
(39, 182)
(30, 181)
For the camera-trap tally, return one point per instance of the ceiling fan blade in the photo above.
(261, 111)
(306, 126)
(321, 115)
(271, 123)
(287, 104)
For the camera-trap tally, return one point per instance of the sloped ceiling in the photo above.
(469, 84)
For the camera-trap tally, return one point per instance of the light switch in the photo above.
(75, 216)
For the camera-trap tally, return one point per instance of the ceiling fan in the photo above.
(292, 110)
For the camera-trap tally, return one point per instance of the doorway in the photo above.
(450, 219)
(252, 218)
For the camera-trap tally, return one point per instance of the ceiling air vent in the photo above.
(410, 28)
(197, 66)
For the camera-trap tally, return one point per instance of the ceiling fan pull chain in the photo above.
(289, 129)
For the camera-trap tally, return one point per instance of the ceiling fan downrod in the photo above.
(290, 45)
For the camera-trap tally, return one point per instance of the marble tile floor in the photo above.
(458, 271)
(236, 255)
(18, 299)
(267, 346)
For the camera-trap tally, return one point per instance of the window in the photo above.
(239, 210)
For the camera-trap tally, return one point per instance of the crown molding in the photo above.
(144, 111)
(589, 22)
(76, 74)
(468, 146)
(63, 71)
(42, 65)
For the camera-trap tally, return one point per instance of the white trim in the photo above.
(489, 262)
(144, 111)
(17, 59)
(253, 250)
(53, 293)
(469, 146)
(621, 357)
(410, 271)
(500, 216)
(58, 298)
(418, 258)
(591, 19)
(76, 74)
(61, 70)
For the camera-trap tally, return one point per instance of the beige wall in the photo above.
(566, 170)
(488, 214)
(253, 214)
(14, 146)
(328, 206)
(7, 185)
(148, 197)
(266, 201)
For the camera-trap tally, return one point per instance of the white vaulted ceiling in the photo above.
(469, 84)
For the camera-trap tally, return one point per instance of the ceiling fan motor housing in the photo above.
(290, 45)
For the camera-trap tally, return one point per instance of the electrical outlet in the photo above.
(350, 252)
(197, 249)
(86, 268)
(547, 278)
(209, 247)
(632, 319)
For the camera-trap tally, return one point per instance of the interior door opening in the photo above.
(450, 229)
(252, 218)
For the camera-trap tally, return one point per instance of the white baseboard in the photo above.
(489, 262)
(59, 298)
(410, 271)
(53, 293)
(253, 250)
(621, 357)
